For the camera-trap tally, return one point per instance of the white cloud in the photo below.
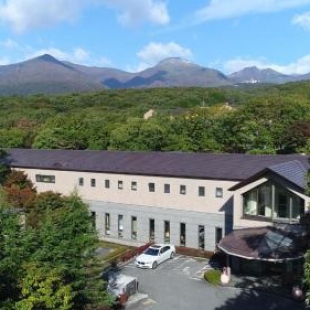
(9, 44)
(25, 14)
(220, 9)
(77, 55)
(154, 52)
(302, 20)
(4, 61)
(133, 12)
(300, 66)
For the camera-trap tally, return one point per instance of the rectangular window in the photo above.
(167, 188)
(134, 227)
(151, 187)
(81, 181)
(107, 183)
(107, 223)
(45, 178)
(93, 182)
(120, 226)
(182, 189)
(167, 231)
(152, 230)
(201, 191)
(219, 192)
(182, 234)
(201, 237)
(93, 218)
(133, 186)
(218, 234)
(120, 184)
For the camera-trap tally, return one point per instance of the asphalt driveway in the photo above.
(178, 284)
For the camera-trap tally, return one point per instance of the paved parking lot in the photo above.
(178, 284)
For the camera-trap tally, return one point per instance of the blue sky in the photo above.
(132, 35)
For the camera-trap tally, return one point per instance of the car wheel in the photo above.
(155, 264)
(172, 255)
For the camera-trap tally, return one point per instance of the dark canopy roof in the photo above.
(265, 243)
(235, 167)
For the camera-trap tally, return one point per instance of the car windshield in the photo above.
(153, 252)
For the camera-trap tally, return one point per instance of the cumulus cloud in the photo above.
(133, 12)
(219, 9)
(300, 66)
(154, 52)
(25, 14)
(302, 20)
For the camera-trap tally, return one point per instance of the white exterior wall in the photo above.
(67, 181)
(210, 211)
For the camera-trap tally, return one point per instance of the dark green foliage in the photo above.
(4, 166)
(213, 276)
(46, 265)
(251, 119)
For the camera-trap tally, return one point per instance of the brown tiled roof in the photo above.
(171, 164)
(263, 243)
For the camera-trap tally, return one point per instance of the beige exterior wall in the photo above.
(66, 182)
(239, 221)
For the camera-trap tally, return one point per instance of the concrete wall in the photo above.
(144, 213)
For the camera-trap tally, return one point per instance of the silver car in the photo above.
(155, 255)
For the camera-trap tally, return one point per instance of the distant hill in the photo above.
(45, 74)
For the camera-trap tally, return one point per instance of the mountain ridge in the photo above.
(46, 74)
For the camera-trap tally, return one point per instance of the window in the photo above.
(107, 183)
(201, 237)
(219, 192)
(93, 182)
(120, 184)
(107, 223)
(272, 201)
(182, 234)
(167, 231)
(133, 227)
(167, 188)
(152, 229)
(218, 234)
(120, 226)
(81, 181)
(93, 218)
(134, 186)
(151, 187)
(45, 178)
(182, 189)
(201, 191)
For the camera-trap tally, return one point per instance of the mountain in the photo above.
(45, 74)
(173, 72)
(255, 75)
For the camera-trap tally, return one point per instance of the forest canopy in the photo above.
(249, 119)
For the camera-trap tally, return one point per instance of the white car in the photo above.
(155, 255)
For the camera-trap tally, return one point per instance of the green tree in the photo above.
(4, 165)
(66, 239)
(44, 288)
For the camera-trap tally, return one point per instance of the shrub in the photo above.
(181, 250)
(213, 277)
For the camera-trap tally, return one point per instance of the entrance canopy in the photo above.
(265, 243)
